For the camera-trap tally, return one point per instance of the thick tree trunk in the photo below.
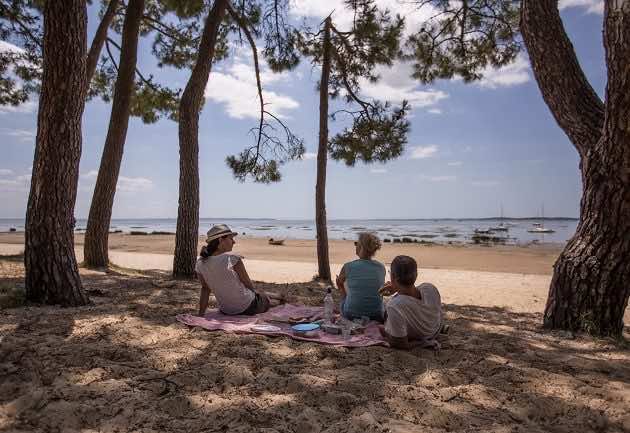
(52, 275)
(187, 233)
(97, 233)
(591, 282)
(322, 159)
(99, 39)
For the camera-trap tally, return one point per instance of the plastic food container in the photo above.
(308, 330)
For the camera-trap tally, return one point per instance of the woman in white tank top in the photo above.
(224, 273)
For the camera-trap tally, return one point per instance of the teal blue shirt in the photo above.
(363, 279)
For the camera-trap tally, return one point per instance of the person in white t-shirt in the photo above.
(414, 313)
(224, 273)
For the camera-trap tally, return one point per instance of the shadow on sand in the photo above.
(124, 364)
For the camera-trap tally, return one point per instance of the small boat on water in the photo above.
(483, 231)
(273, 241)
(540, 227)
(501, 227)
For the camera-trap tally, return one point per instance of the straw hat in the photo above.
(218, 231)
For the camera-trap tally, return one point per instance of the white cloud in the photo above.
(25, 135)
(591, 6)
(26, 107)
(513, 74)
(397, 84)
(434, 111)
(378, 170)
(420, 152)
(134, 184)
(235, 87)
(18, 183)
(485, 183)
(309, 155)
(7, 182)
(440, 178)
(125, 184)
(7, 46)
(343, 16)
(455, 164)
(92, 174)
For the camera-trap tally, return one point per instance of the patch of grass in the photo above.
(11, 296)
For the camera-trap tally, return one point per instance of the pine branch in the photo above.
(241, 23)
(138, 73)
(6, 10)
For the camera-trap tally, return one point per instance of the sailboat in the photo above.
(540, 227)
(501, 227)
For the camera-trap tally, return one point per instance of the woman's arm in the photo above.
(240, 270)
(205, 295)
(341, 281)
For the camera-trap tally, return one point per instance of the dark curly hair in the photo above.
(404, 270)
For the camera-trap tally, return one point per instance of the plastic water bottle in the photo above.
(329, 306)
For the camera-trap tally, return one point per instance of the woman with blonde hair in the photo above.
(360, 280)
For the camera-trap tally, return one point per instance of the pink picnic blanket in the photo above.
(215, 320)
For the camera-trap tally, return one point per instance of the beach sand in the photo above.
(124, 364)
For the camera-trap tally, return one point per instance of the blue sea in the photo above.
(428, 230)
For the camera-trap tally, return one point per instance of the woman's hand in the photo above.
(387, 289)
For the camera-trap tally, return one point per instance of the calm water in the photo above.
(428, 230)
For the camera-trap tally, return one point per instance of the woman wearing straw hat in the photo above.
(223, 272)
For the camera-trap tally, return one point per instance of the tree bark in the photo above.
(564, 87)
(99, 39)
(590, 287)
(322, 159)
(97, 233)
(52, 275)
(187, 233)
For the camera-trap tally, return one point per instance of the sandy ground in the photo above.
(124, 364)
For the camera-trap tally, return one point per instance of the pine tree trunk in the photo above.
(52, 275)
(99, 39)
(187, 234)
(591, 282)
(97, 233)
(322, 159)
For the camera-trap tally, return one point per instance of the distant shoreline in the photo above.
(533, 259)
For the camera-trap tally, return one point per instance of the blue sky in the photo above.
(472, 147)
